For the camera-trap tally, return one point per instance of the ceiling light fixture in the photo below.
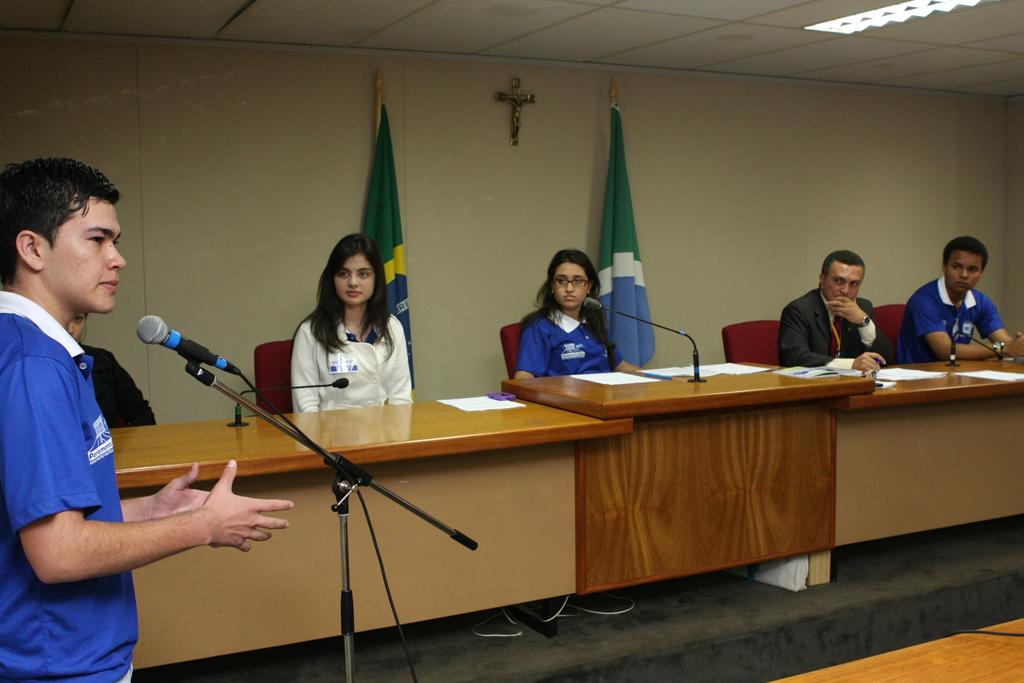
(915, 9)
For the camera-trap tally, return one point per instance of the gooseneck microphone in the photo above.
(594, 304)
(339, 383)
(153, 330)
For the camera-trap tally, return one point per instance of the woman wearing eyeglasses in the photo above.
(562, 337)
(351, 335)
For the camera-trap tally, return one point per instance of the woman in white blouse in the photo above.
(350, 334)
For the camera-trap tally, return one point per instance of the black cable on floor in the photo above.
(989, 633)
(387, 587)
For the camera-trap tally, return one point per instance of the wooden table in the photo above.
(504, 478)
(962, 658)
(928, 454)
(735, 470)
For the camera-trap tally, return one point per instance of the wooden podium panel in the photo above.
(725, 473)
(928, 454)
(693, 494)
(505, 478)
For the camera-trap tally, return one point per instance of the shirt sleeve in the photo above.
(533, 351)
(395, 377)
(43, 447)
(926, 318)
(306, 355)
(989, 320)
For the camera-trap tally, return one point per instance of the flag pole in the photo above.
(613, 94)
(379, 83)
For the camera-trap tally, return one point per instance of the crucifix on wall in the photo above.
(516, 100)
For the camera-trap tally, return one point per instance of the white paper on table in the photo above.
(897, 374)
(477, 403)
(613, 378)
(884, 385)
(678, 372)
(707, 370)
(995, 374)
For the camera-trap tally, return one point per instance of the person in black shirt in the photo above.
(122, 403)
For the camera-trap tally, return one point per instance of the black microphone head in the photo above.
(591, 302)
(152, 330)
(340, 383)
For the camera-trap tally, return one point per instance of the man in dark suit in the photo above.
(830, 325)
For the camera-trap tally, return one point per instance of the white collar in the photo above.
(26, 308)
(944, 295)
(566, 323)
(831, 316)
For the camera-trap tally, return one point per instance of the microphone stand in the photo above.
(348, 478)
(696, 357)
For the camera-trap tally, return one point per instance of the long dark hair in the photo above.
(547, 305)
(330, 310)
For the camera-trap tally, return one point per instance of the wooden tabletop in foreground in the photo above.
(962, 658)
(152, 455)
(679, 396)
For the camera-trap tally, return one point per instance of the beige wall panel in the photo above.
(78, 99)
(483, 216)
(241, 167)
(717, 174)
(255, 163)
(894, 176)
(1012, 309)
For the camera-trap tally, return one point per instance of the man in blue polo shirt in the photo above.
(67, 542)
(944, 314)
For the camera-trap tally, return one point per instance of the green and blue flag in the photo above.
(619, 268)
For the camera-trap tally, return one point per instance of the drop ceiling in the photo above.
(977, 50)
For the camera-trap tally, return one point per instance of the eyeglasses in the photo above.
(577, 282)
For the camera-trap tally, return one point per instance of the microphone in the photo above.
(952, 344)
(596, 305)
(153, 330)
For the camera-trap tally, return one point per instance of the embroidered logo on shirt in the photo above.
(572, 351)
(102, 445)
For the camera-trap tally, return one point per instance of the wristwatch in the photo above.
(998, 348)
(866, 321)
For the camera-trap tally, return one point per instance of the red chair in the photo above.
(889, 319)
(272, 364)
(755, 341)
(509, 336)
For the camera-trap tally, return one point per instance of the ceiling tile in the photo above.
(317, 22)
(899, 66)
(600, 33)
(40, 15)
(181, 19)
(832, 53)
(1010, 43)
(987, 20)
(716, 45)
(732, 10)
(971, 75)
(465, 26)
(1002, 88)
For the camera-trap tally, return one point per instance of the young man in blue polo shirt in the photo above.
(67, 542)
(949, 310)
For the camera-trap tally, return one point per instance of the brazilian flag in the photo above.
(383, 223)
